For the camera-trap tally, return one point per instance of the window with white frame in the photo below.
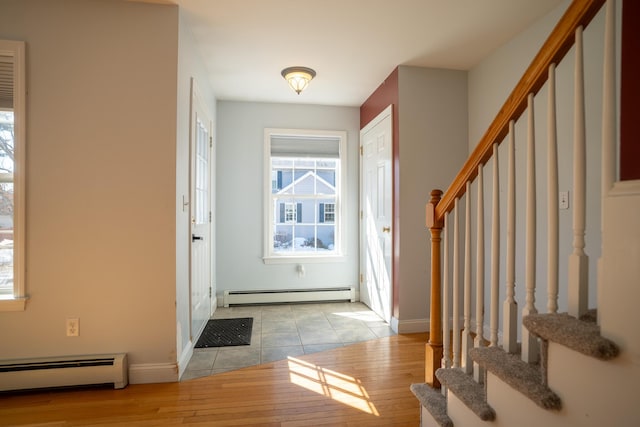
(12, 173)
(327, 212)
(290, 212)
(304, 200)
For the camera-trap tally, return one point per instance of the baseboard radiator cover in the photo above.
(289, 296)
(67, 371)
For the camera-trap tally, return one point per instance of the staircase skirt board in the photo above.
(433, 401)
(522, 376)
(466, 389)
(579, 335)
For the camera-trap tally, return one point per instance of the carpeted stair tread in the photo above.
(468, 391)
(579, 335)
(522, 376)
(433, 400)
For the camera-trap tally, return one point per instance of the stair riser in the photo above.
(587, 386)
(461, 415)
(511, 405)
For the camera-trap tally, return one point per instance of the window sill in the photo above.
(13, 304)
(297, 259)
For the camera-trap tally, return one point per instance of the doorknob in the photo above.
(194, 238)
(386, 229)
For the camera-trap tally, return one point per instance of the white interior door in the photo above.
(376, 215)
(200, 188)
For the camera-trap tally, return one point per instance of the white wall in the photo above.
(239, 223)
(190, 65)
(491, 81)
(101, 158)
(433, 136)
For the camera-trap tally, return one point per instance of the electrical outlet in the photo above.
(564, 200)
(73, 327)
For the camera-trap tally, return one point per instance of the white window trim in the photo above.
(18, 301)
(269, 257)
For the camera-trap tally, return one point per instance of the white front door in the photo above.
(200, 187)
(376, 215)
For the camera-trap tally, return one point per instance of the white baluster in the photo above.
(467, 339)
(510, 306)
(552, 196)
(456, 287)
(479, 341)
(578, 260)
(495, 249)
(608, 116)
(446, 340)
(609, 101)
(529, 342)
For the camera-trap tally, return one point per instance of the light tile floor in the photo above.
(280, 331)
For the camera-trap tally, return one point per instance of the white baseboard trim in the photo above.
(394, 324)
(410, 326)
(151, 373)
(185, 357)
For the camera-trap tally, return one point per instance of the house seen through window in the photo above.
(6, 202)
(304, 218)
(12, 174)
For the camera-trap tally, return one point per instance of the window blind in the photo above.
(305, 147)
(6, 81)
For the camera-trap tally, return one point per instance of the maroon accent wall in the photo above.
(387, 94)
(381, 98)
(630, 92)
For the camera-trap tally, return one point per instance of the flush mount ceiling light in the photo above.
(298, 77)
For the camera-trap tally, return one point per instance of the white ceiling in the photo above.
(352, 44)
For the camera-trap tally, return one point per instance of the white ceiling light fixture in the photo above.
(298, 77)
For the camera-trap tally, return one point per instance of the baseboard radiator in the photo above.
(288, 296)
(64, 372)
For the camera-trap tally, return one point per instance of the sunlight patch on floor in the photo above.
(365, 315)
(339, 387)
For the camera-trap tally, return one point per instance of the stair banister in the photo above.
(433, 350)
(561, 39)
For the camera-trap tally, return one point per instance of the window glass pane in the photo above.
(304, 223)
(6, 202)
(305, 238)
(305, 182)
(283, 237)
(326, 237)
(202, 174)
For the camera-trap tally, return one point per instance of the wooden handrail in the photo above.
(561, 39)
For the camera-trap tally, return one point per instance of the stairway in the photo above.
(570, 348)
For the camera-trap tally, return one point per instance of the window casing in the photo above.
(304, 195)
(12, 175)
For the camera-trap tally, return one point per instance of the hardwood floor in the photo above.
(364, 384)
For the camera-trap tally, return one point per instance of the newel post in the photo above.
(433, 350)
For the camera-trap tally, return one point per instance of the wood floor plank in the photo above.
(364, 384)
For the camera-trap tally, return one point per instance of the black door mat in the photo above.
(226, 332)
